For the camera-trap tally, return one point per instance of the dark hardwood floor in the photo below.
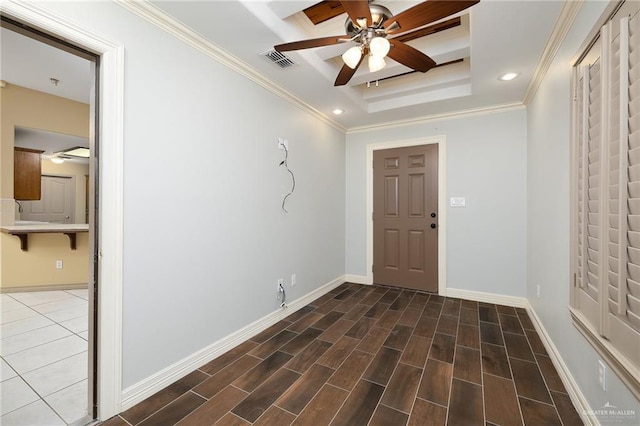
(372, 355)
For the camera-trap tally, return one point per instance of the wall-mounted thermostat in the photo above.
(457, 202)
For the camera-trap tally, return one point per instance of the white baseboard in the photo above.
(357, 279)
(163, 378)
(576, 395)
(479, 296)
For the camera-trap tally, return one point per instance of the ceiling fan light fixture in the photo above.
(376, 63)
(337, 111)
(379, 46)
(352, 57)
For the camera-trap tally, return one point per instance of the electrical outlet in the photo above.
(602, 375)
(293, 279)
(538, 291)
(58, 264)
(282, 144)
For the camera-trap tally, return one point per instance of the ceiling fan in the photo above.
(371, 25)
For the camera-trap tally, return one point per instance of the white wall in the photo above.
(205, 239)
(486, 164)
(548, 219)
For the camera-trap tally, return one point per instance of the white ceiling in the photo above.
(495, 37)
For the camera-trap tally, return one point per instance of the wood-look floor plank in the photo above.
(295, 316)
(447, 325)
(328, 306)
(336, 331)
(400, 304)
(529, 381)
(389, 319)
(426, 327)
(377, 310)
(410, 317)
(215, 408)
(115, 421)
(258, 374)
(226, 376)
(356, 312)
(402, 388)
(258, 401)
(328, 320)
(491, 333)
(537, 413)
(361, 327)
(467, 365)
(234, 354)
(451, 307)
(266, 334)
(525, 320)
(305, 388)
(566, 410)
(488, 314)
(398, 337)
(469, 316)
(346, 305)
(390, 296)
(518, 346)
(231, 419)
(507, 310)
(550, 374)
(419, 301)
(338, 352)
(301, 341)
(270, 346)
(308, 356)
(510, 324)
(426, 413)
(382, 366)
(500, 401)
(465, 408)
(351, 369)
(360, 405)
(275, 416)
(494, 360)
(432, 311)
(176, 411)
(442, 347)
(305, 322)
(436, 382)
(322, 407)
(535, 342)
(469, 336)
(144, 409)
(374, 339)
(416, 351)
(386, 416)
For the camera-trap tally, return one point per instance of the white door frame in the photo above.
(111, 190)
(440, 140)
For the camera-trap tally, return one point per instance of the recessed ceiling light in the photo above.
(508, 76)
(338, 111)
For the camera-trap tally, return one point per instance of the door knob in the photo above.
(433, 225)
(433, 215)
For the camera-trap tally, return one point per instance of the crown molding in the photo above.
(565, 20)
(438, 117)
(166, 22)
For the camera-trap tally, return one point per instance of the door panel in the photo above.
(405, 186)
(56, 203)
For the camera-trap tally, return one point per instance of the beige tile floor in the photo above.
(43, 356)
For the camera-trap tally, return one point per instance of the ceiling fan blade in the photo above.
(314, 42)
(409, 56)
(357, 9)
(425, 13)
(346, 73)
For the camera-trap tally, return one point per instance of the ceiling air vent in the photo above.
(279, 58)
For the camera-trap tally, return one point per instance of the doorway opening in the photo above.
(53, 354)
(440, 141)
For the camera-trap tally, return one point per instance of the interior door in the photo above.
(56, 202)
(405, 221)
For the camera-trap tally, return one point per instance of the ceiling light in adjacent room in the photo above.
(508, 76)
(57, 160)
(352, 57)
(76, 151)
(337, 111)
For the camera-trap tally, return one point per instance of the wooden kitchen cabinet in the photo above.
(27, 172)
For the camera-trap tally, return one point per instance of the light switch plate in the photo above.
(457, 202)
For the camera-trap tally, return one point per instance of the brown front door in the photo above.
(405, 208)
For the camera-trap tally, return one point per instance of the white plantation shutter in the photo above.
(622, 321)
(588, 129)
(606, 120)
